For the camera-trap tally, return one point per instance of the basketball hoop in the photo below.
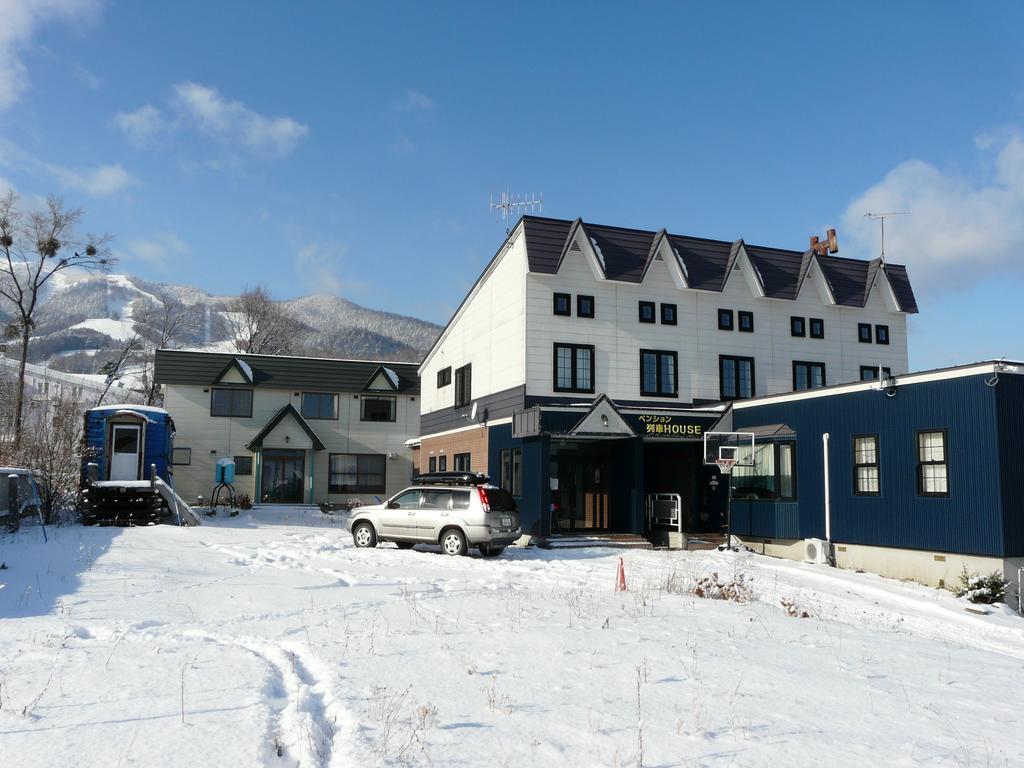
(725, 465)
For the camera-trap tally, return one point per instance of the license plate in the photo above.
(506, 522)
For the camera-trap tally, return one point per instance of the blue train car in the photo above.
(916, 476)
(126, 463)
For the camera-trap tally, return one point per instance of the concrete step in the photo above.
(605, 540)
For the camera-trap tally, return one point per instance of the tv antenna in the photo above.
(509, 205)
(881, 217)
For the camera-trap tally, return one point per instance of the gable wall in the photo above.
(618, 335)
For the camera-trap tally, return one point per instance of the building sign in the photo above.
(669, 425)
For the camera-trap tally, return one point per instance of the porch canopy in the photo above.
(280, 432)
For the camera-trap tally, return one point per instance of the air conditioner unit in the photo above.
(816, 551)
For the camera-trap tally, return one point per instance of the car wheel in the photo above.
(489, 550)
(453, 542)
(364, 536)
(405, 544)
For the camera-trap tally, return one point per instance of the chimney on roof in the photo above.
(829, 245)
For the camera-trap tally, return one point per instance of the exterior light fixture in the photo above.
(604, 419)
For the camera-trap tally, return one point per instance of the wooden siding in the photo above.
(969, 521)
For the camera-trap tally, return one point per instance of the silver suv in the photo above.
(457, 510)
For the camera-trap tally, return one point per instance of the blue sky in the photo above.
(351, 148)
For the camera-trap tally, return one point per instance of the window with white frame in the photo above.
(866, 465)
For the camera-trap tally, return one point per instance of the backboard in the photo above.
(725, 446)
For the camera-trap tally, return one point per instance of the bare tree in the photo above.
(34, 246)
(52, 446)
(117, 367)
(259, 325)
(162, 324)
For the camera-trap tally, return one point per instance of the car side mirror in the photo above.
(393, 505)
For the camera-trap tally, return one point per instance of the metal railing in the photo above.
(664, 509)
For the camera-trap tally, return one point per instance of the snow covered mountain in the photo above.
(84, 320)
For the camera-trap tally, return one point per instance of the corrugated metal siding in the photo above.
(1010, 399)
(969, 521)
(766, 519)
(157, 446)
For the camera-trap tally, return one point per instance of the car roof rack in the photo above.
(451, 478)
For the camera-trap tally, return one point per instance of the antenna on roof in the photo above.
(509, 205)
(881, 217)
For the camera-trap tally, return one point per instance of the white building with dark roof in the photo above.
(662, 326)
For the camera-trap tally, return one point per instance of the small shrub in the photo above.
(712, 587)
(793, 610)
(982, 589)
(242, 501)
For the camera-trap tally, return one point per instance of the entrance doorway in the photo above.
(282, 477)
(125, 446)
(581, 500)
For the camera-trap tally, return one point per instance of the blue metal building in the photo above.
(925, 472)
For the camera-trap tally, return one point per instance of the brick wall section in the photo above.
(471, 441)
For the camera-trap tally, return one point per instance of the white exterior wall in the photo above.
(214, 437)
(618, 336)
(489, 333)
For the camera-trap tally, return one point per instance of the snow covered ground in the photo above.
(270, 640)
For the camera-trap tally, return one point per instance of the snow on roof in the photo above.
(391, 375)
(129, 407)
(246, 369)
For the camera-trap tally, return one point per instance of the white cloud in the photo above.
(19, 20)
(413, 101)
(958, 229)
(142, 125)
(100, 181)
(85, 77)
(320, 266)
(157, 251)
(235, 123)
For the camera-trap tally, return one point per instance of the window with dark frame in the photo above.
(442, 463)
(932, 463)
(736, 377)
(772, 475)
(182, 457)
(584, 306)
(659, 373)
(377, 408)
(817, 328)
(356, 473)
(444, 377)
(432, 464)
(808, 375)
(746, 321)
(319, 405)
(243, 465)
(870, 372)
(562, 304)
(797, 326)
(231, 402)
(462, 462)
(866, 465)
(463, 386)
(511, 470)
(864, 333)
(881, 334)
(646, 311)
(573, 368)
(668, 314)
(725, 320)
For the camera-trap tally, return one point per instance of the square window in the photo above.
(573, 368)
(243, 465)
(356, 473)
(864, 333)
(584, 306)
(808, 375)
(444, 377)
(319, 405)
(797, 327)
(563, 304)
(881, 334)
(725, 320)
(181, 457)
(817, 328)
(646, 311)
(462, 462)
(377, 409)
(746, 321)
(870, 372)
(668, 314)
(231, 402)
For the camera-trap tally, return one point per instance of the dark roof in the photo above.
(306, 373)
(706, 263)
(288, 410)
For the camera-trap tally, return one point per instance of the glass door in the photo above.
(282, 480)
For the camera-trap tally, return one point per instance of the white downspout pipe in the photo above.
(828, 505)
